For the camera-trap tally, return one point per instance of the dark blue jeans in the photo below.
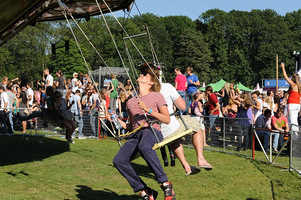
(141, 142)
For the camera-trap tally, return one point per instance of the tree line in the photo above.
(237, 46)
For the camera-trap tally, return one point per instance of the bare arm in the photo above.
(180, 103)
(285, 75)
(162, 115)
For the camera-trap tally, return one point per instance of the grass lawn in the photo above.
(50, 168)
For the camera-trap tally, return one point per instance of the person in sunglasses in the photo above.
(150, 105)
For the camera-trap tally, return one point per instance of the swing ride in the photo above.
(23, 13)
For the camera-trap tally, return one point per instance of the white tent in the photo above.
(258, 88)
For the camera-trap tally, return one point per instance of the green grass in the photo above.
(49, 168)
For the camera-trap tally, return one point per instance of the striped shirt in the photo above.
(153, 100)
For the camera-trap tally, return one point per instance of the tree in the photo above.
(193, 51)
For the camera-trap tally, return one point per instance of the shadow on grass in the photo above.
(22, 149)
(258, 165)
(86, 193)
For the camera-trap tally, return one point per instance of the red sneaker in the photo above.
(148, 194)
(169, 193)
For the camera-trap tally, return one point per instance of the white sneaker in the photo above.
(81, 137)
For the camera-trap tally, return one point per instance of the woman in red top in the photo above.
(294, 97)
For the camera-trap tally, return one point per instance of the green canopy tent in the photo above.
(242, 87)
(215, 86)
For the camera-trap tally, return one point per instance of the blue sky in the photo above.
(193, 8)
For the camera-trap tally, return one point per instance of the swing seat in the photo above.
(194, 126)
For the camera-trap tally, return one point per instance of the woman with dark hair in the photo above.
(60, 108)
(149, 105)
(22, 107)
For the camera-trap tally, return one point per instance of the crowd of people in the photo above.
(63, 101)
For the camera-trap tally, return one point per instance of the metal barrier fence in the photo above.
(295, 149)
(224, 135)
(37, 126)
(228, 136)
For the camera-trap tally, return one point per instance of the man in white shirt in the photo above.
(4, 107)
(29, 95)
(172, 97)
(49, 78)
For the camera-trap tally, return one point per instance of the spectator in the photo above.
(22, 106)
(180, 83)
(29, 95)
(192, 83)
(213, 107)
(263, 127)
(49, 78)
(74, 82)
(4, 82)
(4, 107)
(11, 100)
(257, 107)
(94, 104)
(294, 97)
(244, 105)
(103, 114)
(226, 96)
(113, 89)
(61, 83)
(280, 123)
(76, 110)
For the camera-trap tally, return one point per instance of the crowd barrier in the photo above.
(228, 137)
(225, 136)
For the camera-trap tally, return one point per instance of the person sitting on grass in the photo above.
(149, 104)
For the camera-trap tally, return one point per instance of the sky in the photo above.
(193, 8)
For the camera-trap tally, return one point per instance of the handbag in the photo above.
(197, 112)
(66, 115)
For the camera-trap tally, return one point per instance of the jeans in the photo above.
(80, 123)
(183, 95)
(93, 117)
(293, 111)
(212, 119)
(141, 142)
(113, 104)
(245, 133)
(11, 123)
(187, 100)
(275, 140)
(266, 136)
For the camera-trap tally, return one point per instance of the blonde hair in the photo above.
(296, 79)
(269, 101)
(122, 96)
(227, 88)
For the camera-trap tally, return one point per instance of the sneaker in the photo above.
(81, 137)
(276, 150)
(166, 162)
(169, 193)
(148, 194)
